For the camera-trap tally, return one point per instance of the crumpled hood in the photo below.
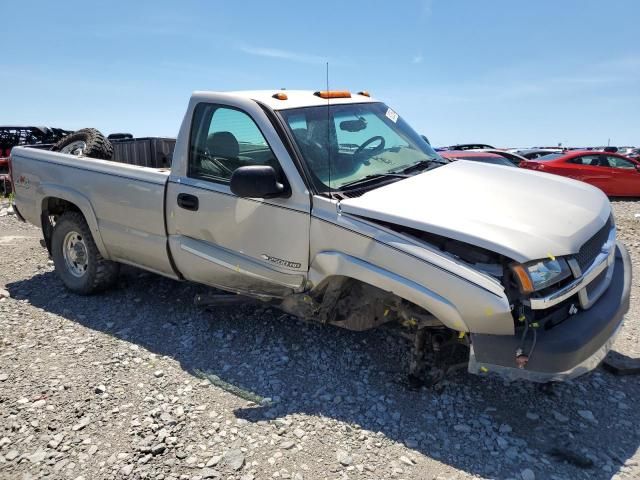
(522, 214)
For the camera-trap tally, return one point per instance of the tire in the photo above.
(81, 268)
(87, 142)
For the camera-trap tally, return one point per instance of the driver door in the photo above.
(625, 176)
(247, 245)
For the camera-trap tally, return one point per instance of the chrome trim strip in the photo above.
(236, 268)
(604, 260)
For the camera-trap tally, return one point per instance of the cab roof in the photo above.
(297, 98)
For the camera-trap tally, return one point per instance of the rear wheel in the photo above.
(77, 260)
(87, 142)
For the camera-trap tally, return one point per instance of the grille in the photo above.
(590, 250)
(595, 284)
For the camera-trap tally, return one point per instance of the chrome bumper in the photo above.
(603, 262)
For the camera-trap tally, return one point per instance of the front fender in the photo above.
(49, 190)
(330, 263)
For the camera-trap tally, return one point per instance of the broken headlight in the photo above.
(539, 274)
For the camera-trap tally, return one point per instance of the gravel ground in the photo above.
(139, 383)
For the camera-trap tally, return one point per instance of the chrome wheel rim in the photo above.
(74, 251)
(75, 148)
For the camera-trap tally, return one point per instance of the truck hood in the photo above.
(522, 214)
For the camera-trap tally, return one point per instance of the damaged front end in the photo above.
(565, 320)
(565, 333)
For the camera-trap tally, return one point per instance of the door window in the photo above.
(224, 139)
(590, 160)
(617, 162)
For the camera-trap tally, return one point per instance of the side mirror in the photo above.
(256, 181)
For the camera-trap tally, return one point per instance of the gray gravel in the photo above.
(139, 383)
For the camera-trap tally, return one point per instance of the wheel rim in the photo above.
(75, 148)
(74, 251)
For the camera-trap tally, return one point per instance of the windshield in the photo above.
(342, 144)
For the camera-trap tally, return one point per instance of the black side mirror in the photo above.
(256, 181)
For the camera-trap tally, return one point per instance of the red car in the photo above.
(616, 175)
(477, 156)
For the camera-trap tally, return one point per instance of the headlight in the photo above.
(540, 274)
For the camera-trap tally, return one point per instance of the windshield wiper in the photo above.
(406, 172)
(374, 176)
(421, 165)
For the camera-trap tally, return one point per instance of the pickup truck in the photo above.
(331, 207)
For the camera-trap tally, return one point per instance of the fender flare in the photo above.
(48, 190)
(330, 263)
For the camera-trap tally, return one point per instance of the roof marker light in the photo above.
(333, 94)
(364, 93)
(280, 96)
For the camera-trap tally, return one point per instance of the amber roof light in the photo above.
(333, 94)
(280, 96)
(364, 93)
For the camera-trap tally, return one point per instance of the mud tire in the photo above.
(95, 144)
(100, 274)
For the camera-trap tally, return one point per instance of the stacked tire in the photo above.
(87, 142)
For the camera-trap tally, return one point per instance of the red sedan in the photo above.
(616, 175)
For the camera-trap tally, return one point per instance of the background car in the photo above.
(512, 157)
(477, 156)
(466, 146)
(533, 153)
(616, 175)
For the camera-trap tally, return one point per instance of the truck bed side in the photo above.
(123, 204)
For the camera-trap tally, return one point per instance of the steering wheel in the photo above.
(361, 149)
(224, 170)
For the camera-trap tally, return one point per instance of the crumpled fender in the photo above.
(330, 263)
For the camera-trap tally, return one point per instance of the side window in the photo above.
(591, 160)
(224, 139)
(617, 162)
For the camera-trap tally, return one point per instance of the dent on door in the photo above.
(238, 244)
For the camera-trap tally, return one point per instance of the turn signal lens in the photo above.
(280, 96)
(526, 285)
(333, 94)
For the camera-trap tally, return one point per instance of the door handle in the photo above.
(188, 201)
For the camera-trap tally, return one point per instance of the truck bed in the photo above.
(154, 152)
(126, 201)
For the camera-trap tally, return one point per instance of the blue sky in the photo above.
(501, 72)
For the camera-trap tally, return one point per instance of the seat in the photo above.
(223, 145)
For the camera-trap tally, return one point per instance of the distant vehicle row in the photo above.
(615, 174)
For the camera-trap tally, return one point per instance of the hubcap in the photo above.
(74, 251)
(75, 148)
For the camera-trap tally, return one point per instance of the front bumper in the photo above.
(568, 350)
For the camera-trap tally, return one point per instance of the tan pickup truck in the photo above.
(329, 206)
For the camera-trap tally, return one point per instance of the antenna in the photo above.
(329, 134)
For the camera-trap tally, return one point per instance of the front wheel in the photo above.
(77, 260)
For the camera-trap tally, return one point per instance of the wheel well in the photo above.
(53, 207)
(356, 305)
